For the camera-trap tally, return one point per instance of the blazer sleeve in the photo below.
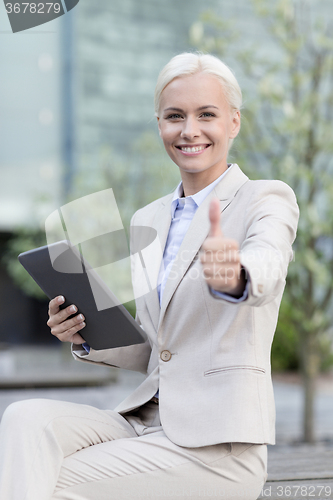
(134, 357)
(270, 217)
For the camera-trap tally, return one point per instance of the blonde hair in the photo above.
(190, 63)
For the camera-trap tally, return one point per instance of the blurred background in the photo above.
(77, 116)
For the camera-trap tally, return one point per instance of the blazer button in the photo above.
(166, 355)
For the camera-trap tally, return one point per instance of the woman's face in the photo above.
(195, 123)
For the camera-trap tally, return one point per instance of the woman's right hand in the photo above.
(61, 327)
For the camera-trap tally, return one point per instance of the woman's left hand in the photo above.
(220, 258)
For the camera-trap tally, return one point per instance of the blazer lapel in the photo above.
(153, 257)
(225, 191)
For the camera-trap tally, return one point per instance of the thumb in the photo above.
(214, 217)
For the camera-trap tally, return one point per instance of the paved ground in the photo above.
(289, 402)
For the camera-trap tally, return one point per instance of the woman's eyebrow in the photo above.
(209, 106)
(198, 109)
(173, 109)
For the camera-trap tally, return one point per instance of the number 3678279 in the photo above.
(33, 8)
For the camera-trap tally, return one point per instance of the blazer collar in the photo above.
(230, 183)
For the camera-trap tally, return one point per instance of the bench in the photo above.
(299, 472)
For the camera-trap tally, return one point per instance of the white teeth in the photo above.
(193, 150)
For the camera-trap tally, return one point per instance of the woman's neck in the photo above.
(195, 182)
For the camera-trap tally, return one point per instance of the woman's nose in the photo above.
(190, 129)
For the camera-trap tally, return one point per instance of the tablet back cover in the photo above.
(107, 328)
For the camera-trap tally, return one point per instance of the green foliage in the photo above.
(131, 308)
(285, 345)
(22, 241)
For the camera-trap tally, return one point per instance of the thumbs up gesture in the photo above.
(220, 258)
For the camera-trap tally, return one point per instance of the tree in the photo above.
(287, 133)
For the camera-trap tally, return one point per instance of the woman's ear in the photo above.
(236, 123)
(159, 126)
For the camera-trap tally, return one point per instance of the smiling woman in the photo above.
(199, 423)
(197, 125)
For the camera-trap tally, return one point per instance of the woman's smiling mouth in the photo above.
(192, 150)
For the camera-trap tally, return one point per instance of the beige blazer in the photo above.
(210, 358)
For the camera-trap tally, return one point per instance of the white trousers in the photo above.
(53, 450)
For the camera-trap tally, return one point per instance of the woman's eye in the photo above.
(174, 116)
(206, 114)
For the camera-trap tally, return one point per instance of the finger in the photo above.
(67, 335)
(221, 272)
(221, 280)
(66, 313)
(58, 327)
(221, 243)
(61, 315)
(214, 217)
(55, 304)
(218, 256)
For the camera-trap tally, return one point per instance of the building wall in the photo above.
(31, 166)
(30, 119)
(120, 47)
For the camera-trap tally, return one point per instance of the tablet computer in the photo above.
(70, 275)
